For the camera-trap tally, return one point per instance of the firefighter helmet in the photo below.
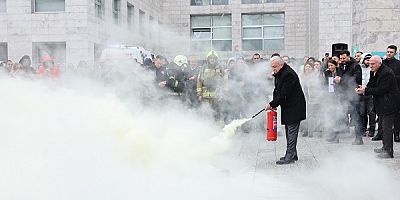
(180, 60)
(212, 53)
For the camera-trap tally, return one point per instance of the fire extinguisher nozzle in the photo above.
(258, 113)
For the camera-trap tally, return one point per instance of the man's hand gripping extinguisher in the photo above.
(272, 117)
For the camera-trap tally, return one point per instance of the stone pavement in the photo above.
(262, 154)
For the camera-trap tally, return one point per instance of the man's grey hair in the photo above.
(278, 60)
(377, 58)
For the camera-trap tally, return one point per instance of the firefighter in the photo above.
(176, 77)
(210, 84)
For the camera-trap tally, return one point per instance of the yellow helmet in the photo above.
(212, 53)
(180, 60)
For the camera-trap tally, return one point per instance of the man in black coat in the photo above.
(393, 64)
(382, 85)
(289, 95)
(349, 78)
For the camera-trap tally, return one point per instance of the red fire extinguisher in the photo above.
(272, 117)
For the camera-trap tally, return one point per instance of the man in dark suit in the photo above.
(349, 78)
(289, 95)
(382, 85)
(393, 64)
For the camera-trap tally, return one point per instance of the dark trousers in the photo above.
(355, 114)
(396, 128)
(292, 132)
(367, 112)
(386, 124)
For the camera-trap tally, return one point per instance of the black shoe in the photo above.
(295, 158)
(396, 137)
(371, 132)
(385, 154)
(380, 150)
(305, 134)
(284, 162)
(358, 141)
(334, 139)
(377, 138)
(364, 134)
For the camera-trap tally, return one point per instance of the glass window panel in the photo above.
(223, 20)
(273, 19)
(273, 32)
(251, 45)
(201, 45)
(201, 21)
(201, 33)
(99, 8)
(220, 2)
(248, 20)
(251, 1)
(222, 33)
(49, 5)
(222, 45)
(274, 44)
(273, 1)
(131, 15)
(3, 6)
(3, 52)
(253, 32)
(199, 2)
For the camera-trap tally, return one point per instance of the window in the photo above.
(99, 8)
(211, 32)
(3, 52)
(3, 6)
(48, 5)
(130, 15)
(152, 25)
(116, 7)
(57, 50)
(261, 1)
(263, 31)
(142, 28)
(208, 2)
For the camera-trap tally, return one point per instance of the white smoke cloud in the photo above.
(63, 140)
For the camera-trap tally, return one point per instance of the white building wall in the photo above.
(335, 24)
(77, 26)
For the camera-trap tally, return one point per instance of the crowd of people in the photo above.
(340, 91)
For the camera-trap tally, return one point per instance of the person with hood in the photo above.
(210, 84)
(48, 68)
(27, 64)
(367, 103)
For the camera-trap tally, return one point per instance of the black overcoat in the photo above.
(383, 87)
(289, 95)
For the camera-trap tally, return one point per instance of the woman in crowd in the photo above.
(333, 116)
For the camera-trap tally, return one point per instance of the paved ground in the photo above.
(253, 148)
(324, 170)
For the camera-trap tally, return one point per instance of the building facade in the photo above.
(75, 30)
